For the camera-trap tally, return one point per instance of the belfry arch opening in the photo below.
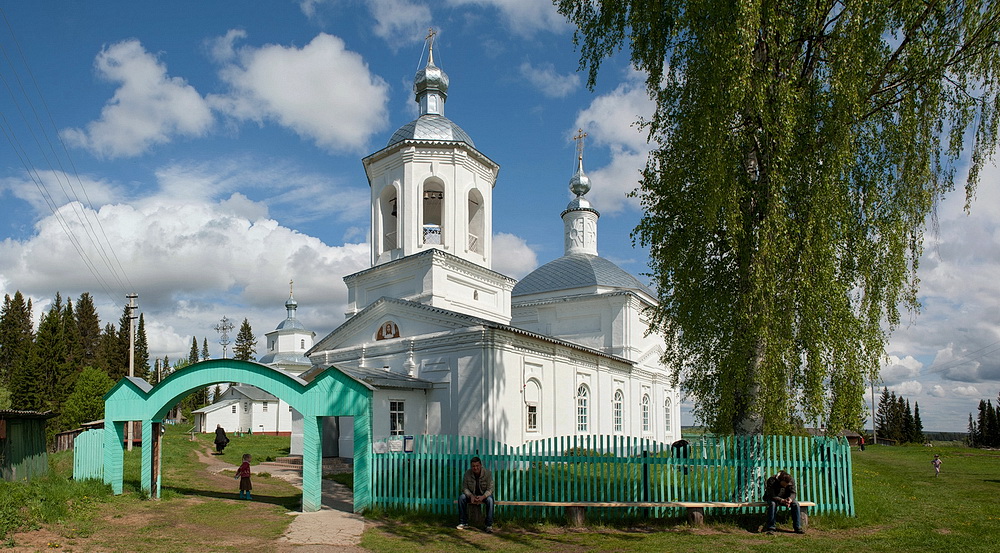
(432, 212)
(388, 214)
(331, 393)
(477, 222)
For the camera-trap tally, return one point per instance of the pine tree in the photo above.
(882, 414)
(990, 432)
(205, 356)
(50, 357)
(142, 351)
(193, 354)
(245, 347)
(908, 426)
(109, 356)
(124, 338)
(74, 349)
(982, 425)
(216, 392)
(16, 351)
(918, 425)
(973, 431)
(89, 325)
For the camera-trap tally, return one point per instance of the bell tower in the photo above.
(431, 188)
(432, 198)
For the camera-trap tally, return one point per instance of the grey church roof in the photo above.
(287, 358)
(290, 323)
(577, 271)
(431, 127)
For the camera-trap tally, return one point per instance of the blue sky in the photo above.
(214, 149)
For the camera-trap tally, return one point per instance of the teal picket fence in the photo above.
(424, 472)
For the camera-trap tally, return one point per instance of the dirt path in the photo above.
(333, 525)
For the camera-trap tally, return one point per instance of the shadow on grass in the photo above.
(290, 502)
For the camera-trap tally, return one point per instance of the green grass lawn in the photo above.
(901, 507)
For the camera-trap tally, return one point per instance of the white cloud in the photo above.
(524, 17)
(897, 370)
(937, 391)
(148, 108)
(193, 257)
(60, 188)
(908, 388)
(400, 22)
(546, 79)
(322, 91)
(967, 391)
(512, 256)
(609, 121)
(223, 49)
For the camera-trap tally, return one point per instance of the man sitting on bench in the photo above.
(477, 488)
(780, 491)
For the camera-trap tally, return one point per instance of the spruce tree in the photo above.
(89, 325)
(50, 357)
(16, 338)
(883, 413)
(193, 353)
(973, 430)
(205, 355)
(245, 347)
(918, 425)
(16, 351)
(908, 427)
(142, 351)
(74, 349)
(109, 356)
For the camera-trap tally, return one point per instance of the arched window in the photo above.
(302, 344)
(532, 397)
(476, 222)
(617, 410)
(389, 219)
(666, 415)
(582, 414)
(647, 425)
(433, 209)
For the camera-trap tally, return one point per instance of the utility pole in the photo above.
(131, 356)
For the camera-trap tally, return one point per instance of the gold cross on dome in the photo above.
(290, 284)
(580, 135)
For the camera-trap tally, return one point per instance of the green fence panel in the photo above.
(88, 455)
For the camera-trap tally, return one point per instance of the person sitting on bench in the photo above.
(780, 491)
(477, 488)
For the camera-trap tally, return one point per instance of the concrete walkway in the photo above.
(335, 525)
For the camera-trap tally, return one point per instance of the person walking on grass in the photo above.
(243, 475)
(221, 440)
(477, 489)
(937, 465)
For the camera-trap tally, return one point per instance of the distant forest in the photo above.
(70, 361)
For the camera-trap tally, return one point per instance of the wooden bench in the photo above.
(576, 511)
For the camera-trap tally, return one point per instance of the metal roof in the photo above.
(382, 378)
(577, 271)
(431, 127)
(287, 358)
(253, 393)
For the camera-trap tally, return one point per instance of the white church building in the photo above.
(451, 346)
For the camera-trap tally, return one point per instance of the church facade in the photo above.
(450, 346)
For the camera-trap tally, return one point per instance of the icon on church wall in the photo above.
(388, 330)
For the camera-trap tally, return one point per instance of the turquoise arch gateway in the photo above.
(331, 393)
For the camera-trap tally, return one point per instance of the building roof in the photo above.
(578, 271)
(217, 406)
(382, 378)
(431, 127)
(284, 358)
(252, 392)
(18, 414)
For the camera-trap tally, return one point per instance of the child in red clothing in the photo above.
(243, 474)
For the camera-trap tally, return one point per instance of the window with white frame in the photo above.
(647, 425)
(582, 414)
(265, 407)
(532, 400)
(234, 408)
(666, 415)
(617, 410)
(396, 418)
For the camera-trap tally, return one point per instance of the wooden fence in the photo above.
(424, 472)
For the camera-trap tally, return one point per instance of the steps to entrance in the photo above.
(331, 465)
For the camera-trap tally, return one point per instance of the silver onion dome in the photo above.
(579, 183)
